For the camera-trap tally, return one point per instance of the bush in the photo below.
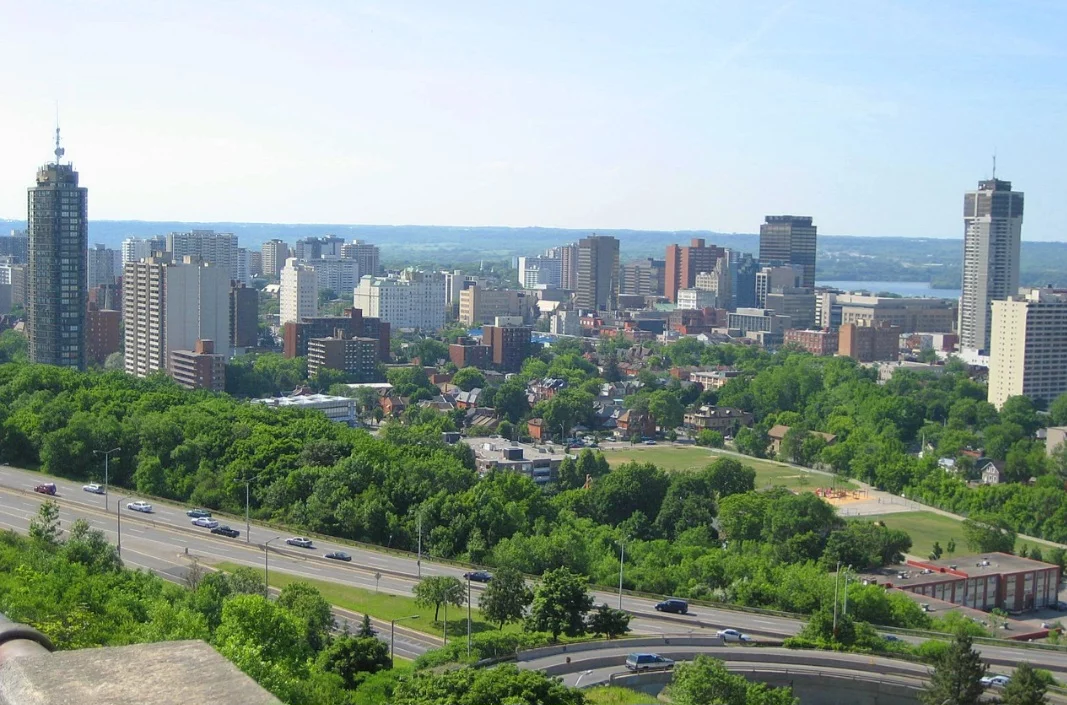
(711, 439)
(486, 645)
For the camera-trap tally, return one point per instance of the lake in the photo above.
(901, 288)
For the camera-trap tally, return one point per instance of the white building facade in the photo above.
(410, 300)
(299, 292)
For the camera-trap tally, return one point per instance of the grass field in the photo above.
(768, 474)
(385, 606)
(925, 528)
(610, 695)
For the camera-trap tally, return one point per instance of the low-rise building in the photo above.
(199, 368)
(817, 342)
(468, 353)
(1054, 438)
(357, 357)
(631, 423)
(866, 343)
(726, 420)
(340, 409)
(538, 462)
(778, 432)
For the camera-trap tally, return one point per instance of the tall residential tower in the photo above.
(993, 227)
(56, 272)
(598, 273)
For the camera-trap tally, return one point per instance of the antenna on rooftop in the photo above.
(994, 163)
(59, 150)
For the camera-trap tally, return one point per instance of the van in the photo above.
(673, 604)
(648, 662)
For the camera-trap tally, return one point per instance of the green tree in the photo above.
(727, 476)
(1057, 411)
(1026, 687)
(510, 401)
(505, 598)
(468, 378)
(479, 686)
(751, 442)
(560, 604)
(44, 527)
(255, 630)
(366, 629)
(705, 680)
(354, 658)
(987, 533)
(936, 552)
(957, 675)
(306, 603)
(436, 590)
(609, 622)
(710, 439)
(666, 409)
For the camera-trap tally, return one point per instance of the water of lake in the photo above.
(901, 288)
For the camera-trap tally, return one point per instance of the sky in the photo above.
(873, 117)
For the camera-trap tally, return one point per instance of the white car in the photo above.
(733, 635)
(140, 506)
(205, 522)
(300, 542)
(997, 681)
(94, 488)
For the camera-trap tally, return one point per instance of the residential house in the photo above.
(468, 400)
(777, 433)
(991, 472)
(713, 379)
(724, 419)
(632, 423)
(391, 404)
(537, 429)
(543, 389)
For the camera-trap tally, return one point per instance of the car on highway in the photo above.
(94, 488)
(300, 542)
(995, 681)
(673, 605)
(197, 513)
(338, 556)
(45, 488)
(478, 576)
(226, 531)
(648, 662)
(140, 506)
(205, 522)
(650, 442)
(733, 635)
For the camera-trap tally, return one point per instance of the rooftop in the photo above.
(985, 564)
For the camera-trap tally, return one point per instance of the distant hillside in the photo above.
(934, 260)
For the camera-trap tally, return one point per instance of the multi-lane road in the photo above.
(165, 540)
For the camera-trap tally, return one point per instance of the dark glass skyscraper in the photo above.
(789, 240)
(56, 272)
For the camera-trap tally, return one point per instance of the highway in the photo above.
(160, 542)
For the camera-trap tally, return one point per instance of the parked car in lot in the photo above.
(205, 522)
(140, 506)
(733, 635)
(94, 488)
(650, 442)
(338, 556)
(673, 605)
(226, 531)
(45, 488)
(648, 662)
(478, 576)
(197, 513)
(300, 542)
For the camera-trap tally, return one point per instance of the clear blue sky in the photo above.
(873, 117)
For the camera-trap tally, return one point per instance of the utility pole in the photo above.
(107, 456)
(118, 521)
(622, 562)
(837, 579)
(248, 526)
(844, 610)
(419, 561)
(468, 615)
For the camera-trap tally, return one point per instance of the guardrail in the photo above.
(640, 641)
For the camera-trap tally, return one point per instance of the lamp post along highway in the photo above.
(107, 456)
(392, 636)
(622, 562)
(266, 573)
(468, 614)
(418, 562)
(248, 526)
(118, 522)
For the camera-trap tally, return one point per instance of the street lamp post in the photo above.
(468, 614)
(107, 455)
(248, 527)
(392, 636)
(418, 562)
(266, 574)
(118, 521)
(622, 562)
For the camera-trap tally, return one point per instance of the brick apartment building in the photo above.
(817, 342)
(865, 343)
(509, 346)
(353, 324)
(101, 333)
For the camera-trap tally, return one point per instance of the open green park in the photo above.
(768, 472)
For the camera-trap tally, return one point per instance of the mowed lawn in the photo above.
(925, 528)
(386, 606)
(613, 695)
(768, 473)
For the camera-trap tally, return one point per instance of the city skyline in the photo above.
(484, 115)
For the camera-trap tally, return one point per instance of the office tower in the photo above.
(993, 226)
(796, 302)
(135, 249)
(299, 294)
(719, 281)
(243, 274)
(366, 254)
(341, 276)
(411, 300)
(244, 316)
(540, 271)
(56, 271)
(771, 279)
(789, 240)
(684, 263)
(169, 306)
(643, 278)
(209, 246)
(478, 305)
(275, 253)
(296, 335)
(568, 265)
(598, 273)
(255, 263)
(316, 247)
(199, 368)
(508, 345)
(744, 285)
(1028, 346)
(14, 275)
(103, 265)
(16, 245)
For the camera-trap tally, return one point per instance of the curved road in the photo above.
(160, 542)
